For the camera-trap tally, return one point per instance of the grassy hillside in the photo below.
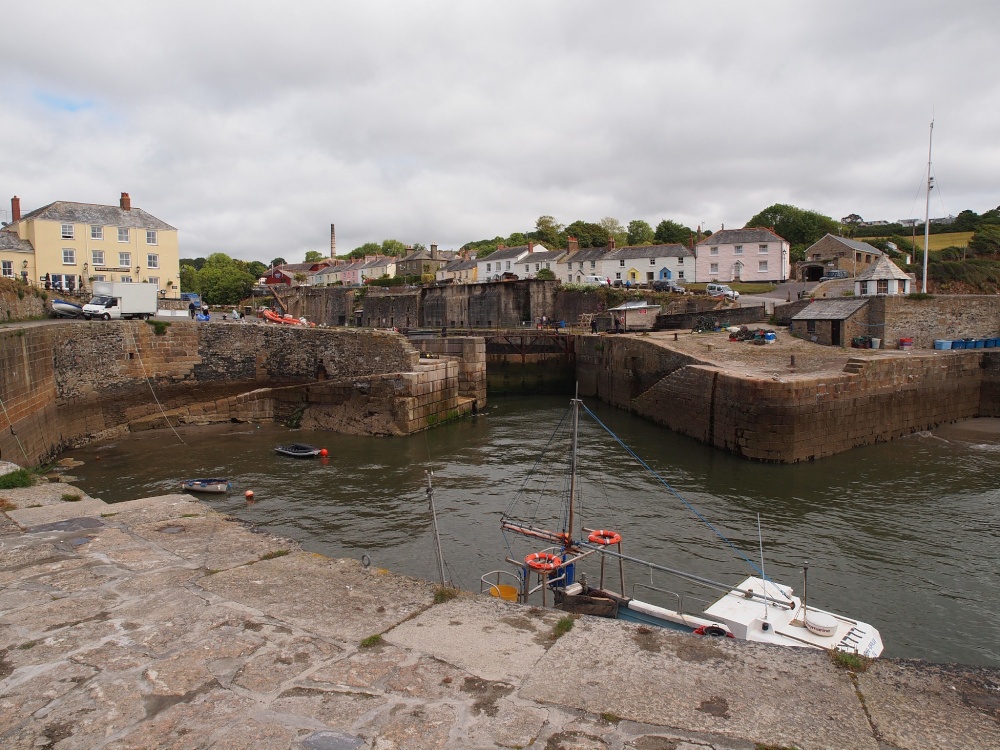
(937, 241)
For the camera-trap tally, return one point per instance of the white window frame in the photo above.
(152, 260)
(69, 256)
(127, 258)
(100, 277)
(680, 261)
(680, 274)
(96, 258)
(96, 232)
(123, 234)
(154, 280)
(737, 249)
(713, 251)
(593, 265)
(7, 269)
(488, 268)
(151, 237)
(126, 279)
(66, 231)
(621, 263)
(761, 266)
(713, 267)
(762, 250)
(652, 261)
(618, 275)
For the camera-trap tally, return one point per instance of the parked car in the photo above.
(597, 280)
(835, 274)
(722, 290)
(667, 285)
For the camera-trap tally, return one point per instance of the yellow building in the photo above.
(67, 246)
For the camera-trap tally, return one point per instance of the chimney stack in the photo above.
(531, 246)
(434, 251)
(333, 242)
(572, 244)
(15, 209)
(126, 202)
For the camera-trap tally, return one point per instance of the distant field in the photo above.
(937, 241)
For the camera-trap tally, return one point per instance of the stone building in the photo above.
(882, 277)
(748, 255)
(833, 322)
(833, 253)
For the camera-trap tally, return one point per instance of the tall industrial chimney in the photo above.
(333, 242)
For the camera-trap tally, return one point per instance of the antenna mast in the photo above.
(927, 208)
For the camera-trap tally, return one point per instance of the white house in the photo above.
(503, 260)
(752, 254)
(529, 266)
(577, 263)
(644, 264)
(882, 277)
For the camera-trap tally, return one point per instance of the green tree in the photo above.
(986, 240)
(369, 248)
(312, 256)
(394, 248)
(546, 274)
(549, 231)
(189, 279)
(800, 227)
(588, 234)
(670, 233)
(256, 269)
(224, 281)
(195, 263)
(275, 262)
(639, 233)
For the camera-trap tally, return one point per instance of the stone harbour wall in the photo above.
(954, 316)
(470, 354)
(794, 418)
(66, 384)
(21, 302)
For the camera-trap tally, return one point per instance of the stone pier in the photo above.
(158, 623)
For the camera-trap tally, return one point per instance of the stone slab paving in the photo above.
(159, 623)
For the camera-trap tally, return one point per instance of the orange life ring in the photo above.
(713, 630)
(543, 561)
(604, 537)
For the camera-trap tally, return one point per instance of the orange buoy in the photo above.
(604, 537)
(324, 452)
(248, 494)
(543, 561)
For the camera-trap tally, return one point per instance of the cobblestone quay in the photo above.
(157, 623)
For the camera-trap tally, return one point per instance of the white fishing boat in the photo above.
(755, 609)
(66, 309)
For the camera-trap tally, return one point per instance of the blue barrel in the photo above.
(980, 343)
(770, 337)
(942, 343)
(990, 343)
(958, 344)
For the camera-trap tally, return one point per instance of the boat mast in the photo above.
(927, 208)
(572, 467)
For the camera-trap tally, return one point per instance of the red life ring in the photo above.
(543, 561)
(716, 631)
(604, 537)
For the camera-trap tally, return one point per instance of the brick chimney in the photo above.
(15, 209)
(333, 242)
(572, 245)
(531, 246)
(126, 202)
(611, 243)
(434, 251)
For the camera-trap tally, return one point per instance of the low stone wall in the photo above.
(723, 315)
(20, 302)
(953, 316)
(66, 384)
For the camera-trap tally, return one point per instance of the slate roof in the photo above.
(586, 253)
(90, 213)
(631, 252)
(741, 236)
(863, 247)
(551, 256)
(509, 253)
(882, 268)
(10, 241)
(831, 309)
(458, 264)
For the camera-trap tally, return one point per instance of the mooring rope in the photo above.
(135, 345)
(11, 425)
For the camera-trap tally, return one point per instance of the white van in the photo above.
(595, 280)
(722, 290)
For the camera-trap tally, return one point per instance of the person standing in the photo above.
(191, 310)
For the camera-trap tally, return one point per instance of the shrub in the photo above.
(159, 326)
(18, 478)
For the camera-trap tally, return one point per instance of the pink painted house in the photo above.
(751, 254)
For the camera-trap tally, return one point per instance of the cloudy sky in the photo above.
(252, 126)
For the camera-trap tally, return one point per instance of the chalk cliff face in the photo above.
(20, 302)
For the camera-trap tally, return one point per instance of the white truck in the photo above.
(120, 300)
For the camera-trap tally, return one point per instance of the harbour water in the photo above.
(905, 535)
